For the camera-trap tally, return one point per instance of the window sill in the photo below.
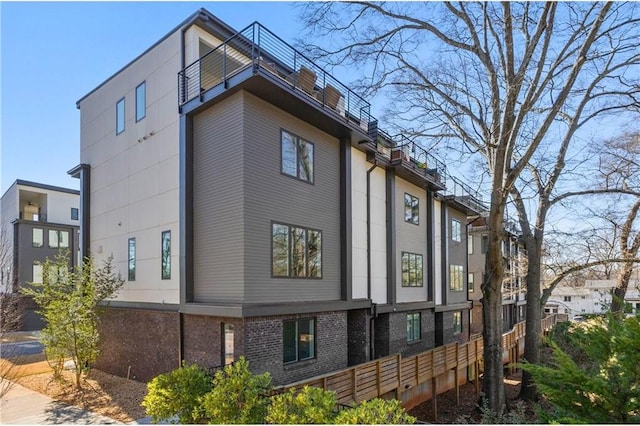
(299, 364)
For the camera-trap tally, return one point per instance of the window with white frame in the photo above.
(456, 230)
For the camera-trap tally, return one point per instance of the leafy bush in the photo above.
(238, 396)
(309, 406)
(603, 384)
(175, 396)
(375, 411)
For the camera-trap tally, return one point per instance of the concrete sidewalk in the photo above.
(24, 406)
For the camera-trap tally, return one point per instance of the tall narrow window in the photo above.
(411, 270)
(166, 255)
(457, 322)
(299, 340)
(297, 157)
(37, 273)
(470, 244)
(141, 101)
(296, 252)
(456, 230)
(471, 282)
(132, 259)
(484, 244)
(38, 237)
(120, 116)
(228, 345)
(455, 278)
(411, 209)
(413, 327)
(74, 213)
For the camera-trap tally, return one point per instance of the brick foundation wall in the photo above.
(358, 335)
(391, 334)
(263, 346)
(145, 340)
(203, 339)
(444, 328)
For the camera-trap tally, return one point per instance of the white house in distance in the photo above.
(592, 298)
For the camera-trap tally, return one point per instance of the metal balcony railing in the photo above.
(464, 194)
(257, 47)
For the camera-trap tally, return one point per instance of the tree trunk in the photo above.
(493, 382)
(533, 324)
(619, 293)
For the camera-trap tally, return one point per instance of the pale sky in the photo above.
(53, 53)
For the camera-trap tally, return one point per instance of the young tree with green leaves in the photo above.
(70, 302)
(311, 405)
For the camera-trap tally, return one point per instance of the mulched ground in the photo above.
(449, 412)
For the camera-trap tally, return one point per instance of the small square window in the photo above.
(456, 230)
(141, 101)
(74, 213)
(411, 209)
(413, 327)
(299, 340)
(120, 116)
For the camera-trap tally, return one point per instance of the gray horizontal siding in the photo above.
(273, 197)
(218, 202)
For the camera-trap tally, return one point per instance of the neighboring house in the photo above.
(594, 297)
(256, 209)
(37, 221)
(514, 285)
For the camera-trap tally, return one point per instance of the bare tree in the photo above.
(508, 81)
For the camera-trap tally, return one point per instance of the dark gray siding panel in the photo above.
(218, 202)
(273, 197)
(457, 254)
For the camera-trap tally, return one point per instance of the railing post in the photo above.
(398, 390)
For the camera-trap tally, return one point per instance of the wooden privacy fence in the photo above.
(420, 377)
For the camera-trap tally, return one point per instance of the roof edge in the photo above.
(45, 186)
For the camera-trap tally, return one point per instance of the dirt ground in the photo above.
(467, 411)
(102, 393)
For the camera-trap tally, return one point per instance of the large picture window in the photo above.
(413, 327)
(166, 255)
(299, 340)
(58, 239)
(297, 157)
(131, 267)
(296, 252)
(411, 270)
(411, 209)
(456, 282)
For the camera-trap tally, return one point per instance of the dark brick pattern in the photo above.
(358, 336)
(203, 339)
(391, 334)
(263, 346)
(444, 328)
(145, 340)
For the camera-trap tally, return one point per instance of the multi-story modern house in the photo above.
(256, 209)
(37, 221)
(513, 288)
(594, 297)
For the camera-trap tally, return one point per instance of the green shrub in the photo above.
(175, 396)
(602, 385)
(309, 406)
(238, 396)
(375, 412)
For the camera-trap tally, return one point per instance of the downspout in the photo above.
(374, 311)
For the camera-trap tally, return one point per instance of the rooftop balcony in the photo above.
(257, 51)
(465, 198)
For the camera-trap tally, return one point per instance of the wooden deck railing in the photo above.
(420, 377)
